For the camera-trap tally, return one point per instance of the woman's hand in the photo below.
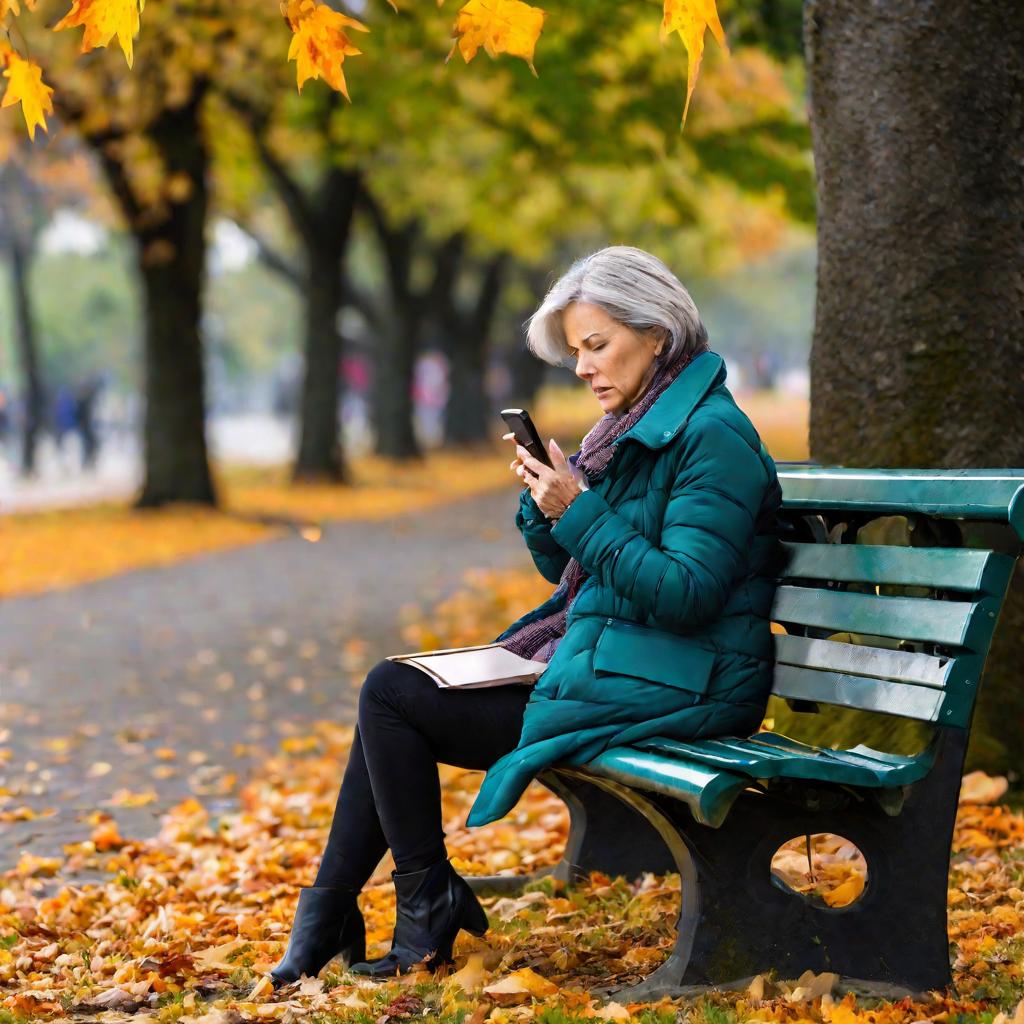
(554, 487)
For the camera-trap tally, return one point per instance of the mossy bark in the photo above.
(917, 123)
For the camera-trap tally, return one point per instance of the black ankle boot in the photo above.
(327, 922)
(432, 905)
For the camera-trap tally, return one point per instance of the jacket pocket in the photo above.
(627, 648)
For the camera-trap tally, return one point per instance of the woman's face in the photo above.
(616, 361)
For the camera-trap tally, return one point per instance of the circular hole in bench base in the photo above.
(833, 876)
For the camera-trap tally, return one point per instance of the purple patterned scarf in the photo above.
(538, 640)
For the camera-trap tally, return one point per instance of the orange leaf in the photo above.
(979, 788)
(27, 88)
(499, 26)
(846, 893)
(102, 19)
(690, 18)
(320, 43)
(12, 6)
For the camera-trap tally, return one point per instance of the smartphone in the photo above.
(525, 432)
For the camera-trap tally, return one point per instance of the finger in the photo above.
(535, 464)
(557, 456)
(505, 437)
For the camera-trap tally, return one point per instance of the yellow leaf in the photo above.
(499, 26)
(522, 982)
(320, 43)
(470, 977)
(217, 956)
(846, 893)
(613, 1011)
(264, 986)
(809, 986)
(26, 86)
(102, 19)
(690, 18)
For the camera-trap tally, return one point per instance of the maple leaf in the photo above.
(26, 86)
(320, 43)
(102, 19)
(690, 18)
(14, 8)
(499, 26)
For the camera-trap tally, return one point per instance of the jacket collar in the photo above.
(672, 408)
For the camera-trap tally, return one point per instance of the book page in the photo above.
(483, 665)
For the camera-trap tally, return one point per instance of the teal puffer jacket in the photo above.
(670, 634)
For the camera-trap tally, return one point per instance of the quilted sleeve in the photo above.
(548, 555)
(706, 534)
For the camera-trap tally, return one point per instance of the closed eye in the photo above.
(573, 353)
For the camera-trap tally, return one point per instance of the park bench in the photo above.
(897, 629)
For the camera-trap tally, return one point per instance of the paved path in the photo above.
(223, 649)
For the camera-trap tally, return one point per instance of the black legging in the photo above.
(390, 794)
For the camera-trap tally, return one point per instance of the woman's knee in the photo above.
(385, 682)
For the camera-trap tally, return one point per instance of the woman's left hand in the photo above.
(554, 487)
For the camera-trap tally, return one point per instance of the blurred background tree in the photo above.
(426, 218)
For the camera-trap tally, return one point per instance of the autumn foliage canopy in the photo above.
(321, 40)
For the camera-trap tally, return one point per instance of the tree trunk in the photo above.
(917, 122)
(172, 251)
(322, 219)
(320, 454)
(527, 372)
(467, 414)
(28, 355)
(469, 418)
(393, 375)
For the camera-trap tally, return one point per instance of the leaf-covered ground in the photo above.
(188, 922)
(191, 920)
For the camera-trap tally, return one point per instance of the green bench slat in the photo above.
(709, 793)
(880, 695)
(995, 495)
(969, 569)
(769, 755)
(708, 775)
(906, 618)
(861, 660)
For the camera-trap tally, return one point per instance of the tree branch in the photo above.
(275, 260)
(295, 201)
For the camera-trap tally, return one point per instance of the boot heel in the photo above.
(443, 956)
(355, 951)
(314, 938)
(475, 918)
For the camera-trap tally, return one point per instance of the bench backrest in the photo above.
(901, 630)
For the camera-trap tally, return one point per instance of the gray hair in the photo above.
(631, 286)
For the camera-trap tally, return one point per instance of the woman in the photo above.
(660, 535)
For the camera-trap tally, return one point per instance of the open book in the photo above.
(473, 667)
